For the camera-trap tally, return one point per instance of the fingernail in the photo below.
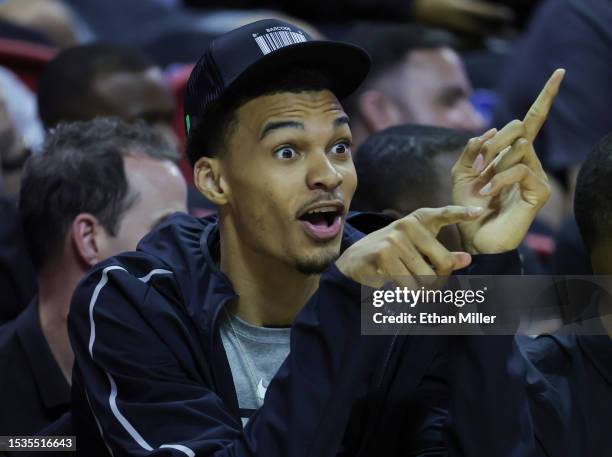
(478, 164)
(474, 210)
(486, 189)
(487, 134)
(466, 258)
(462, 260)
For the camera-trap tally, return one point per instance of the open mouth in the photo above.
(322, 223)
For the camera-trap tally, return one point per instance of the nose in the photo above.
(469, 119)
(322, 173)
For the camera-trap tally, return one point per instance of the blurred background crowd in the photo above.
(461, 65)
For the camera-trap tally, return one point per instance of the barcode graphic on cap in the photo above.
(272, 41)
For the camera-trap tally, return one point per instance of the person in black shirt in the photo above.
(96, 189)
(570, 376)
(569, 372)
(17, 280)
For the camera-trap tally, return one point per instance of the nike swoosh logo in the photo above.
(261, 390)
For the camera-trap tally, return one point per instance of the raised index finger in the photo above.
(535, 117)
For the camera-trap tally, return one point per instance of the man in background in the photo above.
(569, 372)
(94, 191)
(20, 133)
(413, 162)
(570, 376)
(94, 80)
(582, 115)
(417, 77)
(88, 81)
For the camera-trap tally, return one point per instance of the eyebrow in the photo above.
(271, 126)
(341, 120)
(280, 125)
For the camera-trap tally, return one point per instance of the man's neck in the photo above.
(55, 287)
(269, 292)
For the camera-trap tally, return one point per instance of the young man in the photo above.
(180, 343)
(94, 191)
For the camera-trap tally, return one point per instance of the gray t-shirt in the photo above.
(255, 354)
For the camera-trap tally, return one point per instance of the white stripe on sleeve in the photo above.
(112, 399)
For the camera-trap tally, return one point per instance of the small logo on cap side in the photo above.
(277, 38)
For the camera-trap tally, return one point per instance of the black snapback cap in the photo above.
(253, 51)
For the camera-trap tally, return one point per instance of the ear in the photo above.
(209, 180)
(395, 214)
(87, 237)
(378, 111)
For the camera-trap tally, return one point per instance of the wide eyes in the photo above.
(288, 152)
(341, 148)
(285, 153)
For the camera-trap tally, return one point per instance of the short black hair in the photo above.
(396, 166)
(207, 137)
(593, 197)
(66, 85)
(81, 170)
(389, 44)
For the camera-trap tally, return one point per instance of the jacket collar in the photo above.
(53, 387)
(220, 289)
(217, 288)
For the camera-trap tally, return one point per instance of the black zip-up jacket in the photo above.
(152, 378)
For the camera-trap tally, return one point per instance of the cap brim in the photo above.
(345, 65)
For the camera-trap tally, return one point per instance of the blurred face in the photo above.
(161, 191)
(434, 90)
(291, 177)
(136, 95)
